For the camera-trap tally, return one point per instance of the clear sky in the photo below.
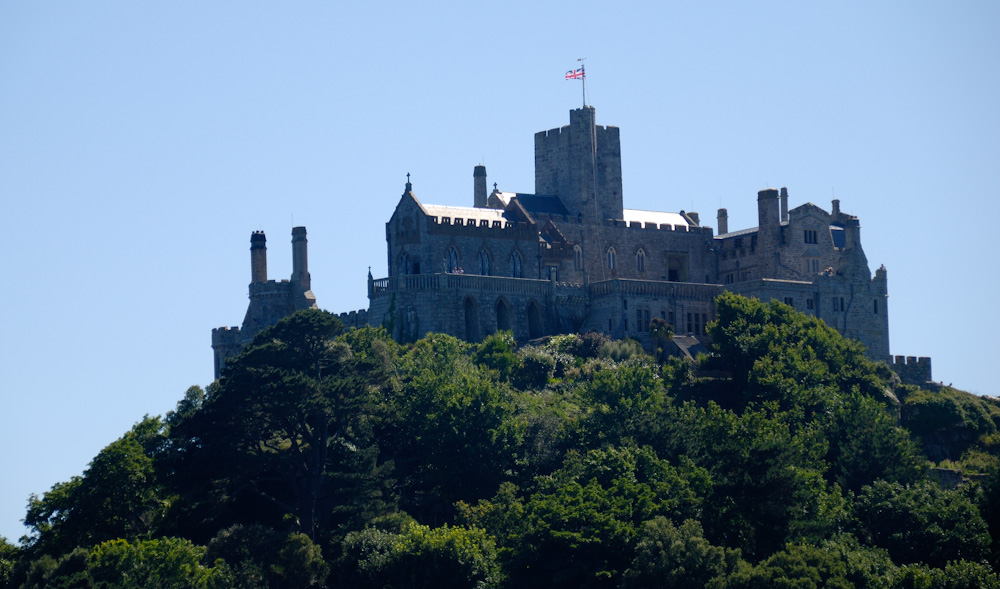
(141, 143)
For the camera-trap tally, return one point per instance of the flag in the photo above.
(576, 74)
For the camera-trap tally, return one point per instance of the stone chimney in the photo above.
(784, 205)
(300, 258)
(258, 257)
(479, 187)
(723, 221)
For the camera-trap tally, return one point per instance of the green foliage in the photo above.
(152, 564)
(671, 556)
(537, 367)
(497, 352)
(948, 422)
(118, 496)
(624, 405)
(448, 464)
(798, 566)
(778, 354)
(866, 444)
(920, 523)
(455, 437)
(263, 557)
(9, 557)
(621, 350)
(423, 557)
(581, 523)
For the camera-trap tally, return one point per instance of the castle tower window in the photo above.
(404, 264)
(577, 257)
(516, 269)
(640, 260)
(451, 260)
(611, 258)
(484, 263)
(875, 307)
(811, 236)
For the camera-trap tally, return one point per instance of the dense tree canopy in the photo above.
(325, 457)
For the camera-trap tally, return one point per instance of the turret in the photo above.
(479, 187)
(723, 221)
(300, 258)
(258, 257)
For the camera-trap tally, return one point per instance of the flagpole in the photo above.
(584, 70)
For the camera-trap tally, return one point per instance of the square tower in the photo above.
(582, 165)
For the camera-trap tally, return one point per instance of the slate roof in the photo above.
(535, 203)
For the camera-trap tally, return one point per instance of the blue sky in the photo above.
(141, 143)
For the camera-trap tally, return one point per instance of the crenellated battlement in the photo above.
(477, 227)
(354, 319)
(911, 369)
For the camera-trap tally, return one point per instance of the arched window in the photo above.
(484, 263)
(640, 260)
(516, 270)
(611, 258)
(404, 264)
(577, 257)
(451, 260)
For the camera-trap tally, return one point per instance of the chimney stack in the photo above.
(258, 257)
(723, 221)
(479, 187)
(300, 257)
(784, 205)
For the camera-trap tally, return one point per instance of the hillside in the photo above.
(326, 457)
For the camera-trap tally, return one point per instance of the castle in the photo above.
(571, 258)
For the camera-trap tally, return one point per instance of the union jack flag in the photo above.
(576, 74)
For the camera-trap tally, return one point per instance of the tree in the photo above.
(290, 426)
(118, 496)
(671, 556)
(920, 523)
(423, 557)
(581, 523)
(453, 441)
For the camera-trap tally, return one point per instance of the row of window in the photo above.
(839, 304)
(452, 266)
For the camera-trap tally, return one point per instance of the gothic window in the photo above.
(516, 270)
(577, 257)
(611, 258)
(451, 260)
(640, 260)
(484, 263)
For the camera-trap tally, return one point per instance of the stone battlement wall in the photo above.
(912, 370)
(357, 318)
